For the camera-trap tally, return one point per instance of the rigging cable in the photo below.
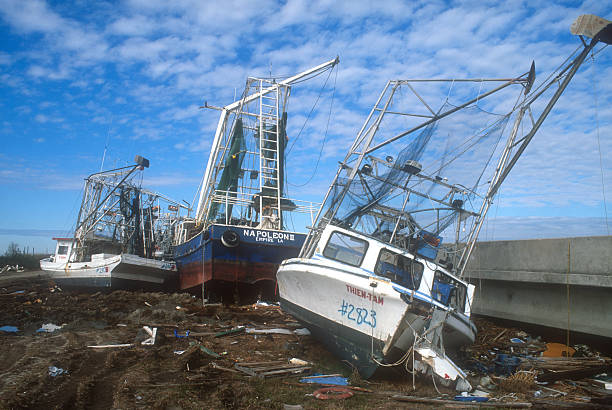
(311, 111)
(331, 106)
(603, 184)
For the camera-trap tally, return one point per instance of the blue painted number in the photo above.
(364, 316)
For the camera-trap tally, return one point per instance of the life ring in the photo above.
(230, 239)
(334, 393)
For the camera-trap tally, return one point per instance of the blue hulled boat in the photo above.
(242, 231)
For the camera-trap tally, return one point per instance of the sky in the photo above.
(80, 80)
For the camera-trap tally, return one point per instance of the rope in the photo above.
(567, 285)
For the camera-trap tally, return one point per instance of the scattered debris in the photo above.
(9, 268)
(299, 332)
(233, 331)
(558, 350)
(440, 402)
(332, 379)
(298, 362)
(111, 346)
(269, 369)
(153, 333)
(471, 398)
(334, 393)
(49, 328)
(286, 358)
(9, 329)
(206, 350)
(269, 331)
(181, 336)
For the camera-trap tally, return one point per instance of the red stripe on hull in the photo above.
(227, 271)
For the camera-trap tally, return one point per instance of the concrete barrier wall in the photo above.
(528, 281)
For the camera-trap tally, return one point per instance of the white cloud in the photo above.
(146, 65)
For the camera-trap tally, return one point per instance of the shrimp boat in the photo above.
(123, 236)
(231, 249)
(380, 276)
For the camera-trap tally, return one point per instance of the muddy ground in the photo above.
(158, 376)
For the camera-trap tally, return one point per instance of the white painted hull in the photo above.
(352, 307)
(116, 271)
(374, 311)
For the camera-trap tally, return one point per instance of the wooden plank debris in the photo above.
(269, 369)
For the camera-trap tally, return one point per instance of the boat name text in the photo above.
(365, 295)
(267, 236)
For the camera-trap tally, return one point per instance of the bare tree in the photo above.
(12, 249)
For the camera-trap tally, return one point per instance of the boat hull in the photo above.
(361, 317)
(123, 271)
(249, 263)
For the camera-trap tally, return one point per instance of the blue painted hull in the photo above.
(250, 262)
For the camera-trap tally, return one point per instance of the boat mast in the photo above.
(505, 165)
(208, 182)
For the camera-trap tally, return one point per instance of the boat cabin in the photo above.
(62, 250)
(408, 273)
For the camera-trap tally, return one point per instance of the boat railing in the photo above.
(246, 200)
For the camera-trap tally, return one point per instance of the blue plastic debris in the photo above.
(506, 364)
(323, 379)
(9, 329)
(471, 398)
(56, 371)
(516, 340)
(181, 336)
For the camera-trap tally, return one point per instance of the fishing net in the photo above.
(423, 186)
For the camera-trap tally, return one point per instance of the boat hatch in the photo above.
(345, 248)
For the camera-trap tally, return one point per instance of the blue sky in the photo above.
(76, 76)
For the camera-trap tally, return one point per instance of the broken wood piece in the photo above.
(291, 370)
(245, 370)
(503, 332)
(111, 346)
(209, 352)
(216, 366)
(233, 331)
(266, 369)
(574, 374)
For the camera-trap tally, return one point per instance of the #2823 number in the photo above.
(360, 315)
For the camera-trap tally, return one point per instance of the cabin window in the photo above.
(345, 248)
(448, 291)
(62, 250)
(399, 268)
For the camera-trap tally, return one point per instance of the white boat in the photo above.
(374, 280)
(123, 271)
(122, 240)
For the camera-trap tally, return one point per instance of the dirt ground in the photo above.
(157, 376)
